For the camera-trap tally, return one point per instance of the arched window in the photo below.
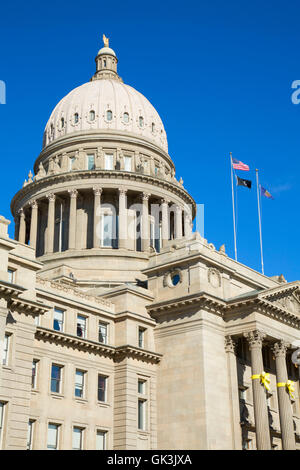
(153, 127)
(92, 115)
(52, 130)
(76, 118)
(126, 117)
(104, 62)
(141, 121)
(109, 115)
(62, 122)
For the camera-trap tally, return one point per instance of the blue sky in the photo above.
(219, 74)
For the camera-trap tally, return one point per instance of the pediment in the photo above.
(286, 297)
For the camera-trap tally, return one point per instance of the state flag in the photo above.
(265, 192)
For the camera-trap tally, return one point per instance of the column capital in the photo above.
(122, 192)
(73, 193)
(50, 197)
(280, 348)
(145, 196)
(230, 344)
(33, 204)
(164, 201)
(178, 208)
(97, 191)
(21, 212)
(255, 338)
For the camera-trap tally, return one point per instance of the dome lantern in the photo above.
(106, 63)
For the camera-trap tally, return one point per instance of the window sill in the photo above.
(80, 400)
(103, 404)
(57, 395)
(143, 432)
(6, 367)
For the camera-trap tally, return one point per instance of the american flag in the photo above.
(237, 165)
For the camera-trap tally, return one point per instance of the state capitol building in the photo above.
(120, 327)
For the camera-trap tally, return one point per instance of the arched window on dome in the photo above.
(76, 118)
(51, 130)
(153, 127)
(141, 121)
(104, 62)
(92, 115)
(62, 122)
(109, 115)
(126, 117)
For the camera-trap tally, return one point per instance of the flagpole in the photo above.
(233, 208)
(259, 221)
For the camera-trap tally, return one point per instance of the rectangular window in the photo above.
(58, 319)
(30, 434)
(247, 444)
(141, 386)
(72, 160)
(152, 234)
(101, 440)
(81, 326)
(127, 163)
(6, 350)
(91, 162)
(56, 374)
(102, 381)
(37, 320)
(2, 410)
(79, 383)
(109, 158)
(77, 438)
(11, 275)
(103, 333)
(141, 337)
(142, 414)
(52, 441)
(34, 373)
(107, 229)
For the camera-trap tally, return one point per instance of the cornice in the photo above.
(27, 306)
(31, 189)
(116, 353)
(203, 300)
(222, 308)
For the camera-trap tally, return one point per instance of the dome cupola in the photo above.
(106, 63)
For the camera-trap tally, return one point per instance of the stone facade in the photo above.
(120, 328)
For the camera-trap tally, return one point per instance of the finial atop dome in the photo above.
(106, 62)
(105, 41)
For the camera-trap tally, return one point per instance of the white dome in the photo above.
(106, 50)
(87, 107)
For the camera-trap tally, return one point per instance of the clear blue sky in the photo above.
(219, 74)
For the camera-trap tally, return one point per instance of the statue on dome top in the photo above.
(106, 41)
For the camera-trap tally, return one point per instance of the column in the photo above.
(17, 227)
(284, 402)
(72, 218)
(234, 403)
(97, 218)
(165, 222)
(50, 223)
(178, 223)
(255, 340)
(145, 222)
(22, 229)
(33, 223)
(122, 218)
(187, 222)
